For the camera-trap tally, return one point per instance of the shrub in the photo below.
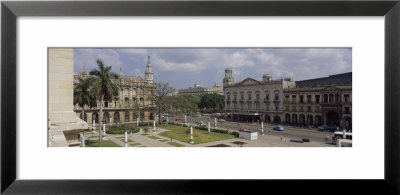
(236, 134)
(146, 129)
(120, 129)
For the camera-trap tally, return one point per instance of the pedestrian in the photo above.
(281, 137)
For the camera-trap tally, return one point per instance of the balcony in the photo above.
(267, 101)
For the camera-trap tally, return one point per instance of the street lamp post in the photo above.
(191, 135)
(262, 128)
(154, 126)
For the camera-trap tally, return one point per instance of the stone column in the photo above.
(191, 135)
(262, 128)
(130, 115)
(60, 96)
(82, 139)
(126, 137)
(89, 117)
(154, 126)
(122, 116)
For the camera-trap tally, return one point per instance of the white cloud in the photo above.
(87, 58)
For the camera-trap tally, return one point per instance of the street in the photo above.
(289, 132)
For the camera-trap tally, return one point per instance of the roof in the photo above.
(304, 88)
(132, 79)
(337, 80)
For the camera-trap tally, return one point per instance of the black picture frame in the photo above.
(10, 10)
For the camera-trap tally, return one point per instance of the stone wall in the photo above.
(61, 115)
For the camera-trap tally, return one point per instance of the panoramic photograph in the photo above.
(199, 97)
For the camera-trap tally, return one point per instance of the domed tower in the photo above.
(267, 78)
(228, 80)
(83, 73)
(149, 71)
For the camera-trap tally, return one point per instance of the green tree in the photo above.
(212, 102)
(82, 95)
(103, 87)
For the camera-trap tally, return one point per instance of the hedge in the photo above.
(120, 129)
(236, 134)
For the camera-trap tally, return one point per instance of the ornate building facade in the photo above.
(199, 90)
(322, 101)
(134, 100)
(251, 100)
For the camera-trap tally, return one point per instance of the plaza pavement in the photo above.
(266, 140)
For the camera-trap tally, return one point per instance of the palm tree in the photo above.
(103, 87)
(82, 95)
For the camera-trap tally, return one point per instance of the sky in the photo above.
(184, 67)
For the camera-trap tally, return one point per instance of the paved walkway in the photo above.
(147, 141)
(266, 140)
(115, 140)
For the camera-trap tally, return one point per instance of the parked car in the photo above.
(196, 116)
(178, 119)
(201, 124)
(220, 120)
(331, 128)
(278, 128)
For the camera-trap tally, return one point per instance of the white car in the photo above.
(201, 124)
(221, 120)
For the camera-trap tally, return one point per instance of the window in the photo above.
(346, 98)
(301, 99)
(267, 97)
(346, 110)
(308, 98)
(317, 98)
(257, 106)
(241, 96)
(242, 106)
(276, 97)
(277, 107)
(249, 96)
(249, 105)
(228, 105)
(257, 96)
(309, 109)
(293, 98)
(235, 97)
